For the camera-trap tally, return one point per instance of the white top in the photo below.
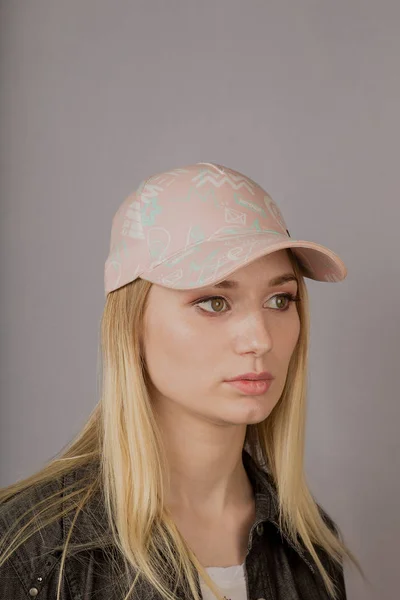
(230, 580)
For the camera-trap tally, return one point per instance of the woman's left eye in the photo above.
(219, 300)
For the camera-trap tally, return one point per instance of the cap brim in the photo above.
(211, 261)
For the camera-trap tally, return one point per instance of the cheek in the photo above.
(176, 354)
(294, 334)
(285, 338)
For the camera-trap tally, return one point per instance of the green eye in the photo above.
(219, 300)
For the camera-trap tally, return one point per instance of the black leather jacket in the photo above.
(274, 570)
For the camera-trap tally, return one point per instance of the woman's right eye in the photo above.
(218, 300)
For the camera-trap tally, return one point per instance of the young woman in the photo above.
(187, 480)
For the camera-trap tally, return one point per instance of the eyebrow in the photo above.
(231, 284)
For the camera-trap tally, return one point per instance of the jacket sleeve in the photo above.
(28, 572)
(17, 584)
(10, 584)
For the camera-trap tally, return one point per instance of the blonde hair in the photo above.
(123, 448)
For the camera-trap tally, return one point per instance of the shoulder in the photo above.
(334, 569)
(23, 562)
(329, 521)
(42, 500)
(30, 563)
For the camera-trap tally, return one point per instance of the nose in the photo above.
(253, 335)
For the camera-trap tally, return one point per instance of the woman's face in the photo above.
(192, 343)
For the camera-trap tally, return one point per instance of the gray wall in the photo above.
(302, 96)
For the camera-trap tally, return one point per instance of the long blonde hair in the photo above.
(122, 445)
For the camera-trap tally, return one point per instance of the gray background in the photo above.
(302, 96)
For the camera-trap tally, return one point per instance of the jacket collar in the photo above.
(266, 497)
(267, 505)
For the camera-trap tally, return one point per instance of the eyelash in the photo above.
(289, 296)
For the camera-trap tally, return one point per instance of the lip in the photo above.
(264, 375)
(251, 388)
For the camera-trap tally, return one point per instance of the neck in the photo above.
(207, 476)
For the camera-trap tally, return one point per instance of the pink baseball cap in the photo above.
(192, 226)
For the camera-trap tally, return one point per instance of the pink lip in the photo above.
(252, 376)
(252, 388)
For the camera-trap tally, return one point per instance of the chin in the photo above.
(251, 412)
